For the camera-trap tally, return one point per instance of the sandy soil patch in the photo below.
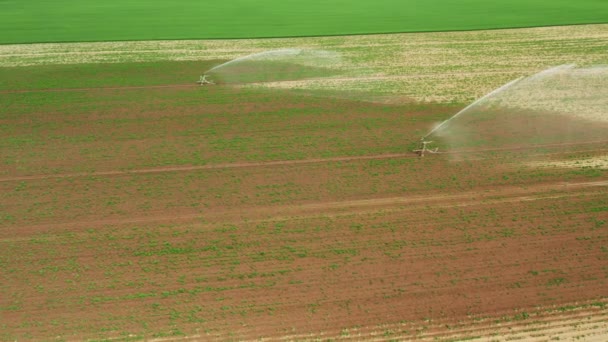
(597, 162)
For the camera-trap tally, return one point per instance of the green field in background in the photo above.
(29, 21)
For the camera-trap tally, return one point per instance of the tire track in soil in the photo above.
(506, 194)
(63, 90)
(210, 167)
(239, 165)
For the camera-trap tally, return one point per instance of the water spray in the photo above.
(291, 64)
(257, 56)
(494, 92)
(562, 106)
(423, 143)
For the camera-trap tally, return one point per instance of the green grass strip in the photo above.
(30, 21)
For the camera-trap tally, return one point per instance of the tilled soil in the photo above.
(373, 244)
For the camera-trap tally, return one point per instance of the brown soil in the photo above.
(367, 246)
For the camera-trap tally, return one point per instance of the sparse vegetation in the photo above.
(165, 212)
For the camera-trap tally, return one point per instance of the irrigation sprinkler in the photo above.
(203, 80)
(423, 148)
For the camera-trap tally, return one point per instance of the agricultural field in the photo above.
(446, 67)
(113, 20)
(135, 204)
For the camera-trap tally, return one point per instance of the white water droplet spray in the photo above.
(478, 101)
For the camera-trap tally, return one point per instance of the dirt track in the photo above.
(308, 161)
(210, 167)
(62, 90)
